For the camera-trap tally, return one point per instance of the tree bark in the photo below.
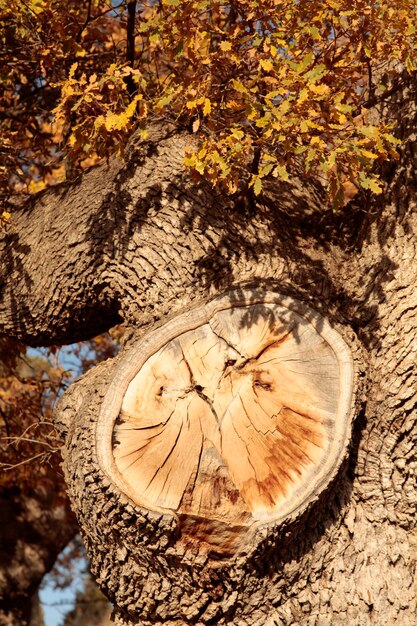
(150, 245)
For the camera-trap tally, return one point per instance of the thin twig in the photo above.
(130, 45)
(10, 466)
(36, 441)
(86, 23)
(96, 17)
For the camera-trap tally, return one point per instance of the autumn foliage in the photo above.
(30, 384)
(29, 444)
(266, 87)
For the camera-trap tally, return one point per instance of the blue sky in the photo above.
(57, 602)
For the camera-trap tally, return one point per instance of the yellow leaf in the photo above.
(190, 160)
(72, 70)
(284, 107)
(320, 90)
(263, 121)
(251, 113)
(115, 122)
(265, 170)
(238, 86)
(281, 172)
(237, 134)
(370, 183)
(315, 141)
(266, 65)
(196, 125)
(257, 186)
(79, 51)
(304, 95)
(207, 107)
(34, 187)
(67, 90)
(131, 108)
(368, 154)
(99, 121)
(369, 131)
(200, 167)
(225, 46)
(165, 100)
(144, 134)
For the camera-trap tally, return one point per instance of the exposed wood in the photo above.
(238, 421)
(162, 246)
(351, 558)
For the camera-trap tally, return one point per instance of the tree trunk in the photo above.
(250, 498)
(35, 525)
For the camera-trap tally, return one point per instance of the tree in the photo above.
(265, 392)
(36, 521)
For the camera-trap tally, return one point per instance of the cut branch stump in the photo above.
(231, 416)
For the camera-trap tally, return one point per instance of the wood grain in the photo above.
(231, 420)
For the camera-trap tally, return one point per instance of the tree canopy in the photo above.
(265, 87)
(277, 102)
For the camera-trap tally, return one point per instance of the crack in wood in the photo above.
(239, 431)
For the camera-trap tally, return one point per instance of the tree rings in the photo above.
(233, 414)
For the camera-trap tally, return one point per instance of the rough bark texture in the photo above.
(148, 243)
(161, 568)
